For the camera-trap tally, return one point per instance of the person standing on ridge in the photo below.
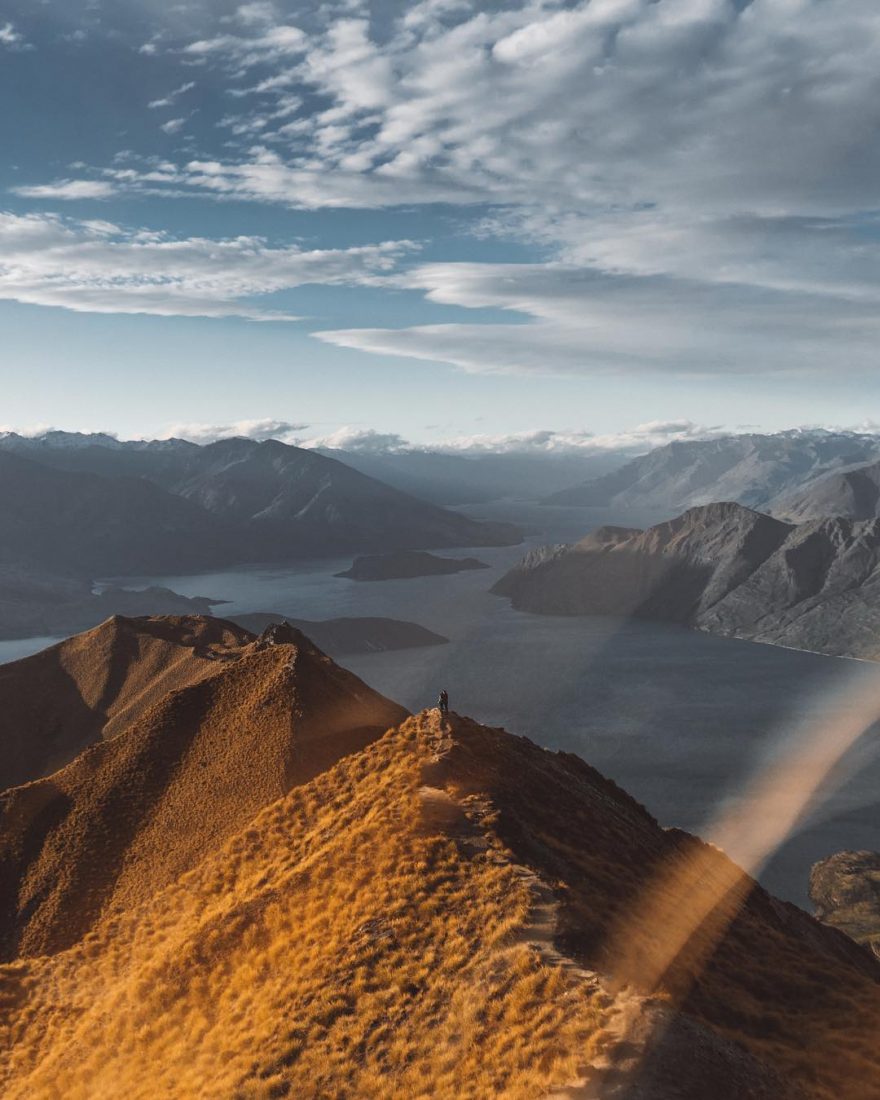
(443, 702)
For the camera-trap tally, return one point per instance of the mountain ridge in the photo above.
(723, 568)
(103, 510)
(424, 918)
(130, 814)
(752, 469)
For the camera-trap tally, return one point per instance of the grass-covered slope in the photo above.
(91, 686)
(439, 915)
(131, 814)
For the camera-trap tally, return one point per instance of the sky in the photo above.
(439, 221)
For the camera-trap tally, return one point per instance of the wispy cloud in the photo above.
(12, 39)
(581, 320)
(168, 100)
(97, 267)
(67, 189)
(702, 175)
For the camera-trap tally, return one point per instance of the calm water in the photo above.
(679, 719)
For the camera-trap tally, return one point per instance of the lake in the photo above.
(678, 718)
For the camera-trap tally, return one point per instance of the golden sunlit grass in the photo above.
(339, 946)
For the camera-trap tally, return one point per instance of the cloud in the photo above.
(173, 125)
(12, 39)
(258, 12)
(273, 43)
(360, 440)
(67, 189)
(581, 320)
(97, 267)
(547, 441)
(536, 442)
(259, 430)
(29, 431)
(764, 107)
(168, 100)
(701, 174)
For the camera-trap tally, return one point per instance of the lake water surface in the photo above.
(678, 718)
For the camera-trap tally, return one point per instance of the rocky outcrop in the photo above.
(845, 890)
(722, 568)
(405, 564)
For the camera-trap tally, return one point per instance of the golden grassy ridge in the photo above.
(131, 814)
(341, 945)
(90, 687)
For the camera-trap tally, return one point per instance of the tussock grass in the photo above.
(337, 947)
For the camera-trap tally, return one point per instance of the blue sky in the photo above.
(443, 220)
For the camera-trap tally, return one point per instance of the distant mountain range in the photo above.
(97, 506)
(722, 568)
(785, 474)
(260, 878)
(474, 478)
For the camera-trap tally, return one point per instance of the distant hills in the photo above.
(774, 473)
(36, 602)
(722, 568)
(344, 636)
(854, 493)
(106, 507)
(473, 478)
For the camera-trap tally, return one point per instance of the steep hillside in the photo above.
(750, 469)
(852, 493)
(58, 702)
(131, 814)
(432, 917)
(845, 889)
(100, 526)
(722, 568)
(314, 504)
